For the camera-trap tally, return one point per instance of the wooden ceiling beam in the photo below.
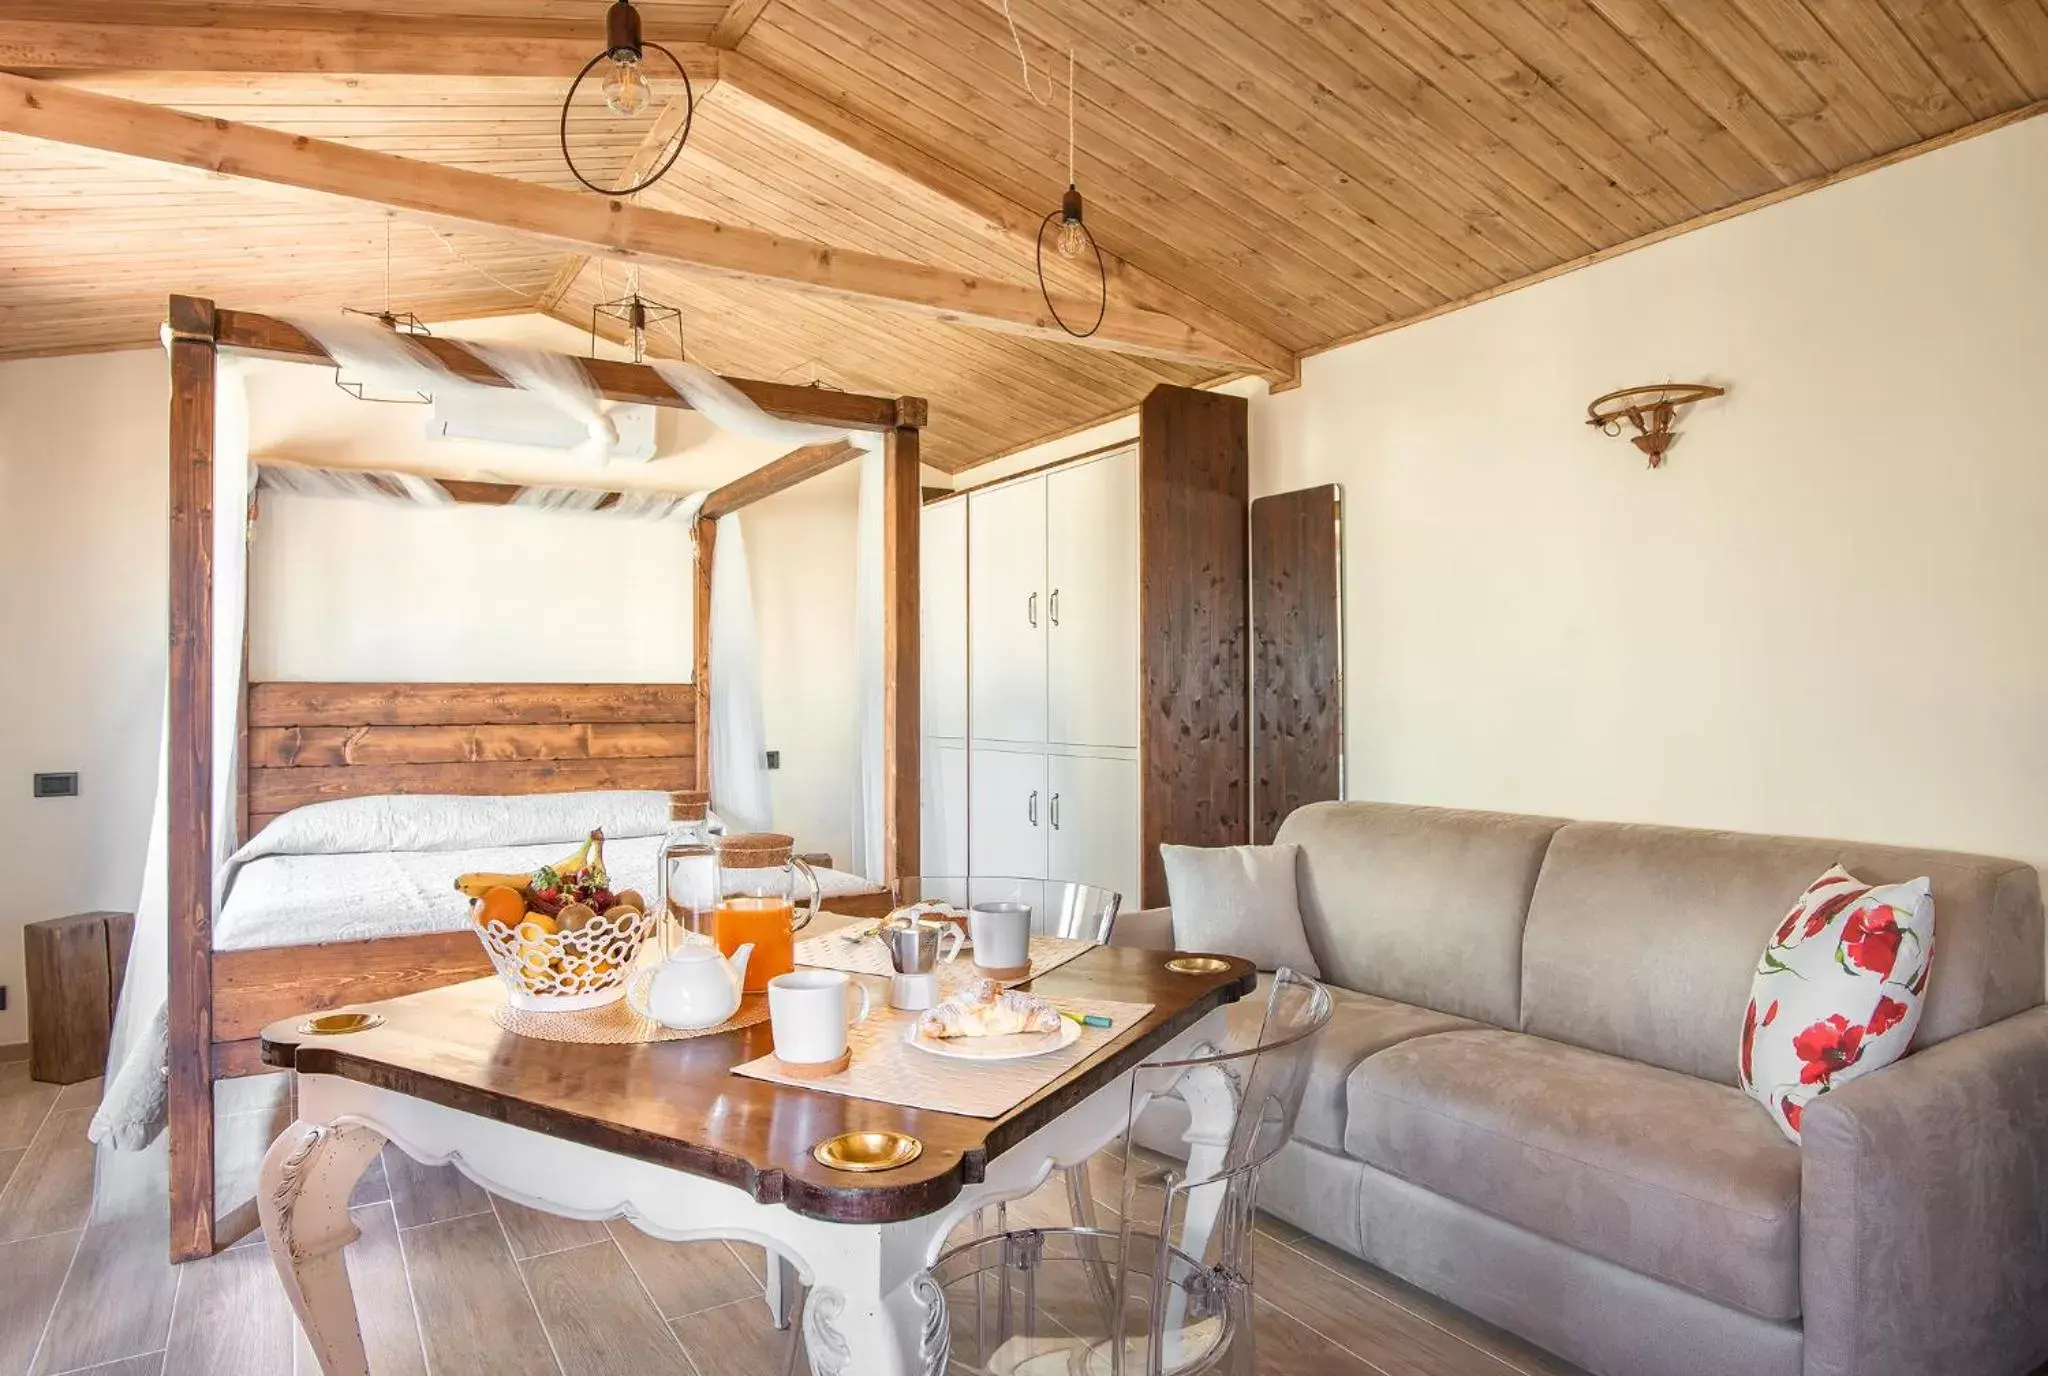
(653, 148)
(1015, 224)
(362, 47)
(798, 465)
(732, 26)
(572, 220)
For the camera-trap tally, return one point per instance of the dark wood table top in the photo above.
(676, 1104)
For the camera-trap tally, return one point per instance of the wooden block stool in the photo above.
(75, 965)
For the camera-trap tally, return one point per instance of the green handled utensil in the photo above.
(1087, 1020)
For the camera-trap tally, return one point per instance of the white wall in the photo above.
(1827, 614)
(82, 614)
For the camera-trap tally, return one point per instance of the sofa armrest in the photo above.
(1149, 929)
(1924, 1211)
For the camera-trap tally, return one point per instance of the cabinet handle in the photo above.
(1053, 607)
(1053, 807)
(1031, 608)
(1031, 809)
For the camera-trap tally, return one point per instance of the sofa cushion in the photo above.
(1642, 941)
(1682, 1180)
(1421, 905)
(1360, 1025)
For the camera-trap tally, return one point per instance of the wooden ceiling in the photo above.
(1282, 175)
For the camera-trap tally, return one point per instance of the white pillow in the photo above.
(441, 821)
(1238, 901)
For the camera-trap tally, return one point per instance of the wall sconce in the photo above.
(1650, 410)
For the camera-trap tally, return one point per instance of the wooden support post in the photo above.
(191, 777)
(902, 729)
(707, 544)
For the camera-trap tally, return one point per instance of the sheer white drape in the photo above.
(869, 672)
(739, 760)
(560, 381)
(131, 1111)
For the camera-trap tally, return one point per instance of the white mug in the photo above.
(1002, 934)
(807, 1014)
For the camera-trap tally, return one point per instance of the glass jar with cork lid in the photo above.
(686, 878)
(760, 885)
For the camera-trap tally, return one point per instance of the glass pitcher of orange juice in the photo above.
(760, 883)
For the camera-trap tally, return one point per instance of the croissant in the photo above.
(985, 1010)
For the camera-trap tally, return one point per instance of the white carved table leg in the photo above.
(302, 1198)
(1211, 1095)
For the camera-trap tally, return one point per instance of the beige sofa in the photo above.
(1526, 1101)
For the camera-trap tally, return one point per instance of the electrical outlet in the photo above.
(56, 785)
(775, 759)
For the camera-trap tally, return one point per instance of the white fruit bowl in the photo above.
(564, 972)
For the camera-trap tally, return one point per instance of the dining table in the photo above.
(675, 1138)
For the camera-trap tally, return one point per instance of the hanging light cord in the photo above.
(1024, 63)
(478, 268)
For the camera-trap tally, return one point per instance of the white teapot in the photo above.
(695, 987)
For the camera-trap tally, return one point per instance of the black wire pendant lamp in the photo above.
(398, 322)
(628, 91)
(1072, 239)
(639, 315)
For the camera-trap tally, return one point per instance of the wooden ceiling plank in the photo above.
(1893, 64)
(1614, 80)
(39, 109)
(1530, 114)
(1150, 154)
(350, 49)
(1378, 99)
(1666, 44)
(1289, 289)
(1014, 223)
(1779, 84)
(1834, 73)
(1439, 223)
(2018, 33)
(732, 26)
(1952, 43)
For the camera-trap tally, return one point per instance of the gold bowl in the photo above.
(340, 1024)
(1197, 965)
(867, 1151)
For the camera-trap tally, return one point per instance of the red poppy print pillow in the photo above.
(1837, 993)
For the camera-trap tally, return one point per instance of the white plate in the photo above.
(1016, 1046)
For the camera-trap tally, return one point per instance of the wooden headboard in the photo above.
(309, 742)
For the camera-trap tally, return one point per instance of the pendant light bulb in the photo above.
(1073, 239)
(625, 87)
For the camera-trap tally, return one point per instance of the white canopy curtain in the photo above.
(132, 1110)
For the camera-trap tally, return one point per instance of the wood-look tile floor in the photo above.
(450, 1280)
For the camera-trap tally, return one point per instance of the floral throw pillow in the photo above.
(1837, 993)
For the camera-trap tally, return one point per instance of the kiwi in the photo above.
(574, 915)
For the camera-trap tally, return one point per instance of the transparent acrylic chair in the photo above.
(1082, 912)
(1167, 1290)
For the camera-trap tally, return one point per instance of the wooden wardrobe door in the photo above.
(1297, 599)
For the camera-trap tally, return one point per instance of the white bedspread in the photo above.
(292, 900)
(362, 868)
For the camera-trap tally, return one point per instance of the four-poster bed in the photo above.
(441, 738)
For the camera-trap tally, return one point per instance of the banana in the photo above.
(478, 884)
(580, 860)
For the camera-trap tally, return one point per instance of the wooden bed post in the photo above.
(902, 502)
(707, 543)
(190, 855)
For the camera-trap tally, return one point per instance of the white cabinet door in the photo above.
(942, 843)
(1007, 833)
(942, 585)
(1092, 603)
(1006, 612)
(1092, 823)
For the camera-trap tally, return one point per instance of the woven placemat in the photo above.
(834, 952)
(616, 1024)
(888, 1069)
